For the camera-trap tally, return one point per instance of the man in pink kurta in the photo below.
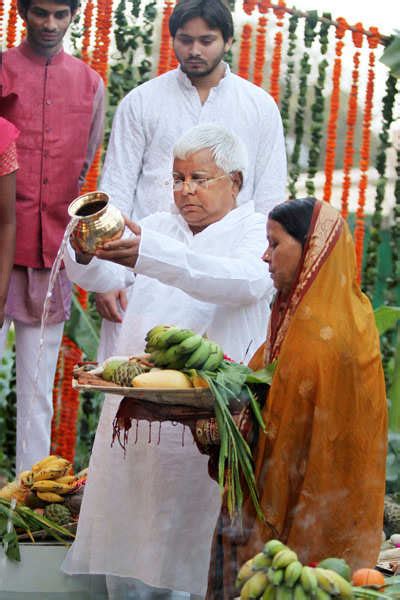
(56, 101)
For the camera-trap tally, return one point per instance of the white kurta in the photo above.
(151, 515)
(152, 117)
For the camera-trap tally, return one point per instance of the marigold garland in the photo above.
(165, 43)
(249, 6)
(56, 402)
(259, 59)
(264, 6)
(102, 38)
(334, 111)
(351, 121)
(359, 229)
(12, 24)
(65, 438)
(274, 89)
(245, 49)
(87, 30)
(1, 18)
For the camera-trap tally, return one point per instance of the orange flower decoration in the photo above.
(12, 24)
(334, 110)
(259, 60)
(102, 39)
(359, 229)
(277, 55)
(245, 49)
(249, 6)
(357, 37)
(65, 419)
(165, 44)
(87, 30)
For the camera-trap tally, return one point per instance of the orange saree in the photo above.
(320, 468)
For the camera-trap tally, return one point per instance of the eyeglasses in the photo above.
(193, 184)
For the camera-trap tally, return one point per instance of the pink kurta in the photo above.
(51, 102)
(57, 104)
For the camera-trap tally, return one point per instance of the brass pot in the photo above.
(98, 221)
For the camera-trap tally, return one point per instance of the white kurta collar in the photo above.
(233, 217)
(185, 82)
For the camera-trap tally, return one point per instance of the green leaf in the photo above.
(263, 376)
(82, 330)
(386, 317)
(391, 56)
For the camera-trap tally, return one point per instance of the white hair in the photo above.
(227, 149)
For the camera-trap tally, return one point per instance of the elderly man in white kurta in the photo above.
(155, 114)
(151, 515)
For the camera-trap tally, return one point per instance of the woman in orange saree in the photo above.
(320, 468)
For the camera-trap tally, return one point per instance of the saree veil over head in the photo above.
(320, 468)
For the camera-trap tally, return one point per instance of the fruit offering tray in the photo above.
(200, 398)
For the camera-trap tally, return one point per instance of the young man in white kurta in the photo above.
(154, 115)
(156, 526)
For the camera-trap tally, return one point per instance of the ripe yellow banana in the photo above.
(49, 485)
(54, 470)
(344, 586)
(26, 478)
(333, 583)
(254, 587)
(49, 497)
(326, 582)
(245, 572)
(41, 464)
(66, 479)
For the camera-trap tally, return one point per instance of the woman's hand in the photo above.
(125, 251)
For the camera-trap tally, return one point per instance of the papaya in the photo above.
(163, 378)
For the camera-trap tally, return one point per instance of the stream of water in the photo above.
(42, 338)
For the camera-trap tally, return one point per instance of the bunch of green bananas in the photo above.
(277, 574)
(174, 348)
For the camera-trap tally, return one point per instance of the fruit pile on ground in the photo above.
(49, 480)
(277, 574)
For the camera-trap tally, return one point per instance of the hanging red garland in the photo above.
(249, 6)
(163, 63)
(56, 402)
(334, 111)
(12, 24)
(264, 6)
(102, 39)
(87, 30)
(1, 18)
(359, 229)
(245, 48)
(259, 60)
(99, 63)
(277, 53)
(68, 414)
(351, 122)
